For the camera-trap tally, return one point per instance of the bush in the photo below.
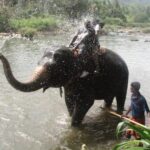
(28, 32)
(114, 21)
(142, 17)
(4, 20)
(140, 25)
(39, 23)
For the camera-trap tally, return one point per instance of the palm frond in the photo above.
(143, 131)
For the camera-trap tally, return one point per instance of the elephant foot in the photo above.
(106, 107)
(75, 124)
(120, 112)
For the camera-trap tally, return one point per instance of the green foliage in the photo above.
(107, 8)
(139, 13)
(141, 17)
(139, 25)
(121, 126)
(4, 20)
(38, 23)
(73, 9)
(130, 145)
(143, 131)
(115, 21)
(25, 12)
(28, 32)
(11, 2)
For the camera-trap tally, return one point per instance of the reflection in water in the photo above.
(35, 121)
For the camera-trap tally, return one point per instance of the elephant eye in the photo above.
(56, 57)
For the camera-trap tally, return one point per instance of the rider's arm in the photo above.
(128, 111)
(82, 40)
(97, 28)
(74, 38)
(78, 44)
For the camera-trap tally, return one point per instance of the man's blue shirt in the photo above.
(138, 106)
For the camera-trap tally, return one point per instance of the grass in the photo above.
(37, 23)
(28, 27)
(28, 32)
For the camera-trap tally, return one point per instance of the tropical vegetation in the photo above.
(133, 144)
(39, 15)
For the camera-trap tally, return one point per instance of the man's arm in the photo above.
(75, 37)
(128, 111)
(73, 40)
(146, 105)
(96, 28)
(85, 35)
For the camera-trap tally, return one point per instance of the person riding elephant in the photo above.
(86, 43)
(83, 41)
(96, 24)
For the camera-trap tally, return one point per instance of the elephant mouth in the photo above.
(45, 88)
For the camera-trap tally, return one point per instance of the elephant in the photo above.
(62, 69)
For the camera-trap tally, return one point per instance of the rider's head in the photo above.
(95, 22)
(87, 24)
(98, 22)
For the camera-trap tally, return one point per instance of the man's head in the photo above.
(87, 24)
(135, 87)
(98, 22)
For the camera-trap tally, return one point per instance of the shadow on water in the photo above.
(97, 133)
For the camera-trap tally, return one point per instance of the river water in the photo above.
(40, 121)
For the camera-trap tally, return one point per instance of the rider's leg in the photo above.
(96, 61)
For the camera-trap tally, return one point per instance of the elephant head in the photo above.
(53, 70)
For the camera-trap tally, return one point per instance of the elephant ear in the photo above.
(63, 55)
(46, 58)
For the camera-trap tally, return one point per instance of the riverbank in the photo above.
(30, 28)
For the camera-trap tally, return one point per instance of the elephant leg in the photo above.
(80, 110)
(120, 102)
(121, 96)
(108, 101)
(70, 103)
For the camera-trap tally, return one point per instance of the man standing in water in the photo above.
(138, 104)
(137, 108)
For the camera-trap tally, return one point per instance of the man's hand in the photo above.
(124, 115)
(75, 52)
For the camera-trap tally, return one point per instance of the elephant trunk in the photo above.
(37, 81)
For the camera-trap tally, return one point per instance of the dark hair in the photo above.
(136, 85)
(87, 24)
(96, 21)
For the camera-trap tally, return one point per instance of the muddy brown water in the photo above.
(40, 121)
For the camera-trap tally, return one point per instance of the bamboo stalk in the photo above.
(125, 118)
